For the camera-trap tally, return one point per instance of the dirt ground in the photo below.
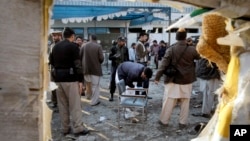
(102, 119)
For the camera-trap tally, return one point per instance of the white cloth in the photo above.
(95, 85)
(116, 78)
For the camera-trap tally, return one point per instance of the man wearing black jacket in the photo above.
(209, 75)
(56, 37)
(118, 54)
(65, 60)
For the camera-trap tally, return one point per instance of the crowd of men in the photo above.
(76, 68)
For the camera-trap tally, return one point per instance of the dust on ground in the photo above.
(102, 119)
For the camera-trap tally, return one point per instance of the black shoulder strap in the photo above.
(180, 55)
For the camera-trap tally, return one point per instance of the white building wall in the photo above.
(165, 37)
(132, 37)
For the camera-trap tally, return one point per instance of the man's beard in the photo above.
(56, 40)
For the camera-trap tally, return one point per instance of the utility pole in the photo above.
(169, 23)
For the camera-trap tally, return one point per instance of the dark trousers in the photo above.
(53, 93)
(54, 97)
(144, 84)
(156, 61)
(112, 80)
(143, 63)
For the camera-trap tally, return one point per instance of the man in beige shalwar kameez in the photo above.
(179, 87)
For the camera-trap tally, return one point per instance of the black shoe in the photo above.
(56, 110)
(111, 99)
(83, 133)
(197, 114)
(54, 105)
(66, 133)
(162, 124)
(206, 115)
(182, 126)
(83, 93)
(201, 115)
(96, 103)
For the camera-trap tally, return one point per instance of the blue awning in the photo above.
(81, 11)
(67, 11)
